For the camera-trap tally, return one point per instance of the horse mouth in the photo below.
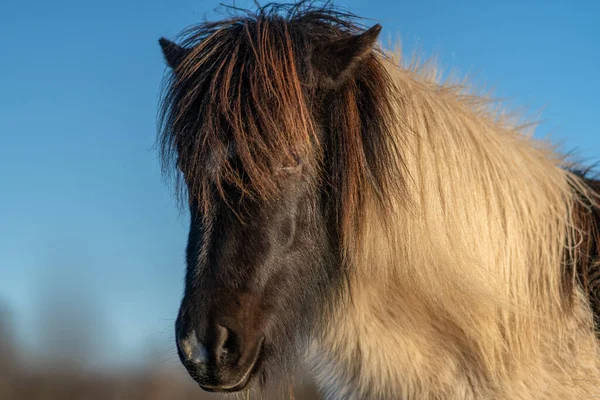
(242, 378)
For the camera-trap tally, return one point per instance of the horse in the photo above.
(355, 218)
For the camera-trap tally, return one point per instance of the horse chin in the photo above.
(256, 383)
(246, 385)
(249, 380)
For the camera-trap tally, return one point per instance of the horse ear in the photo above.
(173, 53)
(339, 59)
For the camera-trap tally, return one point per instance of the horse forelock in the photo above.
(245, 102)
(236, 90)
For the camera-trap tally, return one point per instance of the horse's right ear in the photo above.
(338, 60)
(173, 53)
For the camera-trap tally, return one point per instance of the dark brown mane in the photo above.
(588, 258)
(248, 84)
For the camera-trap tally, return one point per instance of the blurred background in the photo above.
(91, 241)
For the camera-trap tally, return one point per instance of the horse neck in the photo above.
(447, 293)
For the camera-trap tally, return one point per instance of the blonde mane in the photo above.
(460, 292)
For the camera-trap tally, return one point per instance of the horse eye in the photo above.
(291, 170)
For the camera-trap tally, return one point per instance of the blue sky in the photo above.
(84, 212)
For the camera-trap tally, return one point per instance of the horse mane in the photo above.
(244, 88)
(495, 218)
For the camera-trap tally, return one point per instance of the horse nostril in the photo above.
(228, 346)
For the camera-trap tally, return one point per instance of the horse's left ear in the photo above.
(339, 59)
(173, 53)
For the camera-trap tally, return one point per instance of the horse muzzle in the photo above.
(220, 358)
